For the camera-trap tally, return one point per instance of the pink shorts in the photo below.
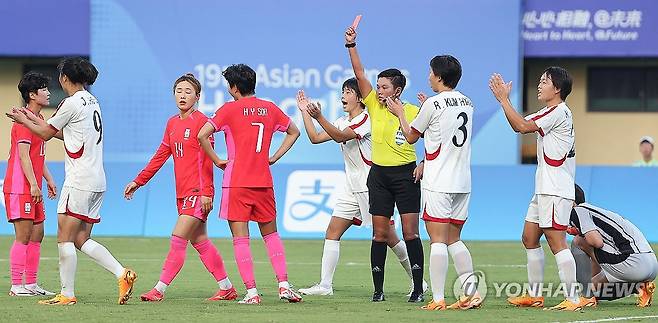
(191, 205)
(20, 206)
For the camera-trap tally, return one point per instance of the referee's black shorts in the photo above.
(389, 186)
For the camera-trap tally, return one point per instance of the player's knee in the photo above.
(332, 234)
(530, 241)
(22, 238)
(410, 233)
(380, 235)
(79, 241)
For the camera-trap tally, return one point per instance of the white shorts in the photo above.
(445, 207)
(83, 205)
(637, 268)
(353, 207)
(549, 211)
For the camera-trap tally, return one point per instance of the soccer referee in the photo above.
(391, 181)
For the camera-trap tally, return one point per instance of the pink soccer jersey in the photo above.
(192, 168)
(15, 180)
(248, 125)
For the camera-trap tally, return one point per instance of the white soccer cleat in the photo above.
(253, 300)
(411, 288)
(289, 295)
(317, 289)
(20, 291)
(38, 291)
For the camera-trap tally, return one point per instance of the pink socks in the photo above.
(244, 261)
(175, 260)
(211, 259)
(277, 255)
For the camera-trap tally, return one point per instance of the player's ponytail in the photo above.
(78, 70)
(190, 78)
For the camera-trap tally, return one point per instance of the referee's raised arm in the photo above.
(350, 42)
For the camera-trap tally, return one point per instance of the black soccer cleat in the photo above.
(378, 297)
(416, 298)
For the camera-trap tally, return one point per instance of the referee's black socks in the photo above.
(377, 263)
(417, 261)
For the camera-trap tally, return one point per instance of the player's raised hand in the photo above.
(499, 88)
(302, 100)
(206, 204)
(17, 115)
(314, 110)
(52, 189)
(421, 97)
(394, 106)
(350, 35)
(130, 190)
(418, 172)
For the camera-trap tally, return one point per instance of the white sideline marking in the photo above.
(624, 318)
(267, 262)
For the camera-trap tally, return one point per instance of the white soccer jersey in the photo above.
(446, 122)
(79, 118)
(357, 152)
(620, 236)
(556, 151)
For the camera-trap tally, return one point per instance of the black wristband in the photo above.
(350, 45)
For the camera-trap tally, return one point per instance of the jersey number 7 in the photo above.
(259, 143)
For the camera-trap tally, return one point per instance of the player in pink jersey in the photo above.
(78, 123)
(194, 191)
(22, 190)
(248, 124)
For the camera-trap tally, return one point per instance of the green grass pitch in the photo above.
(185, 299)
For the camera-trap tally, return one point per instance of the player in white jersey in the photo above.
(617, 252)
(550, 207)
(352, 132)
(78, 123)
(445, 122)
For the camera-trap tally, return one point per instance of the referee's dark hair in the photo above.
(448, 68)
(580, 195)
(395, 75)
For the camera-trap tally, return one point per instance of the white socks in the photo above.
(160, 287)
(68, 262)
(438, 269)
(566, 266)
(251, 292)
(330, 256)
(463, 262)
(536, 270)
(103, 257)
(400, 251)
(225, 284)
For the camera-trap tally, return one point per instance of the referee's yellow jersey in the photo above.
(389, 147)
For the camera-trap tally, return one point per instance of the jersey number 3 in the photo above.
(461, 128)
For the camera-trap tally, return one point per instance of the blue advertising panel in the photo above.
(306, 195)
(44, 27)
(141, 48)
(594, 28)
